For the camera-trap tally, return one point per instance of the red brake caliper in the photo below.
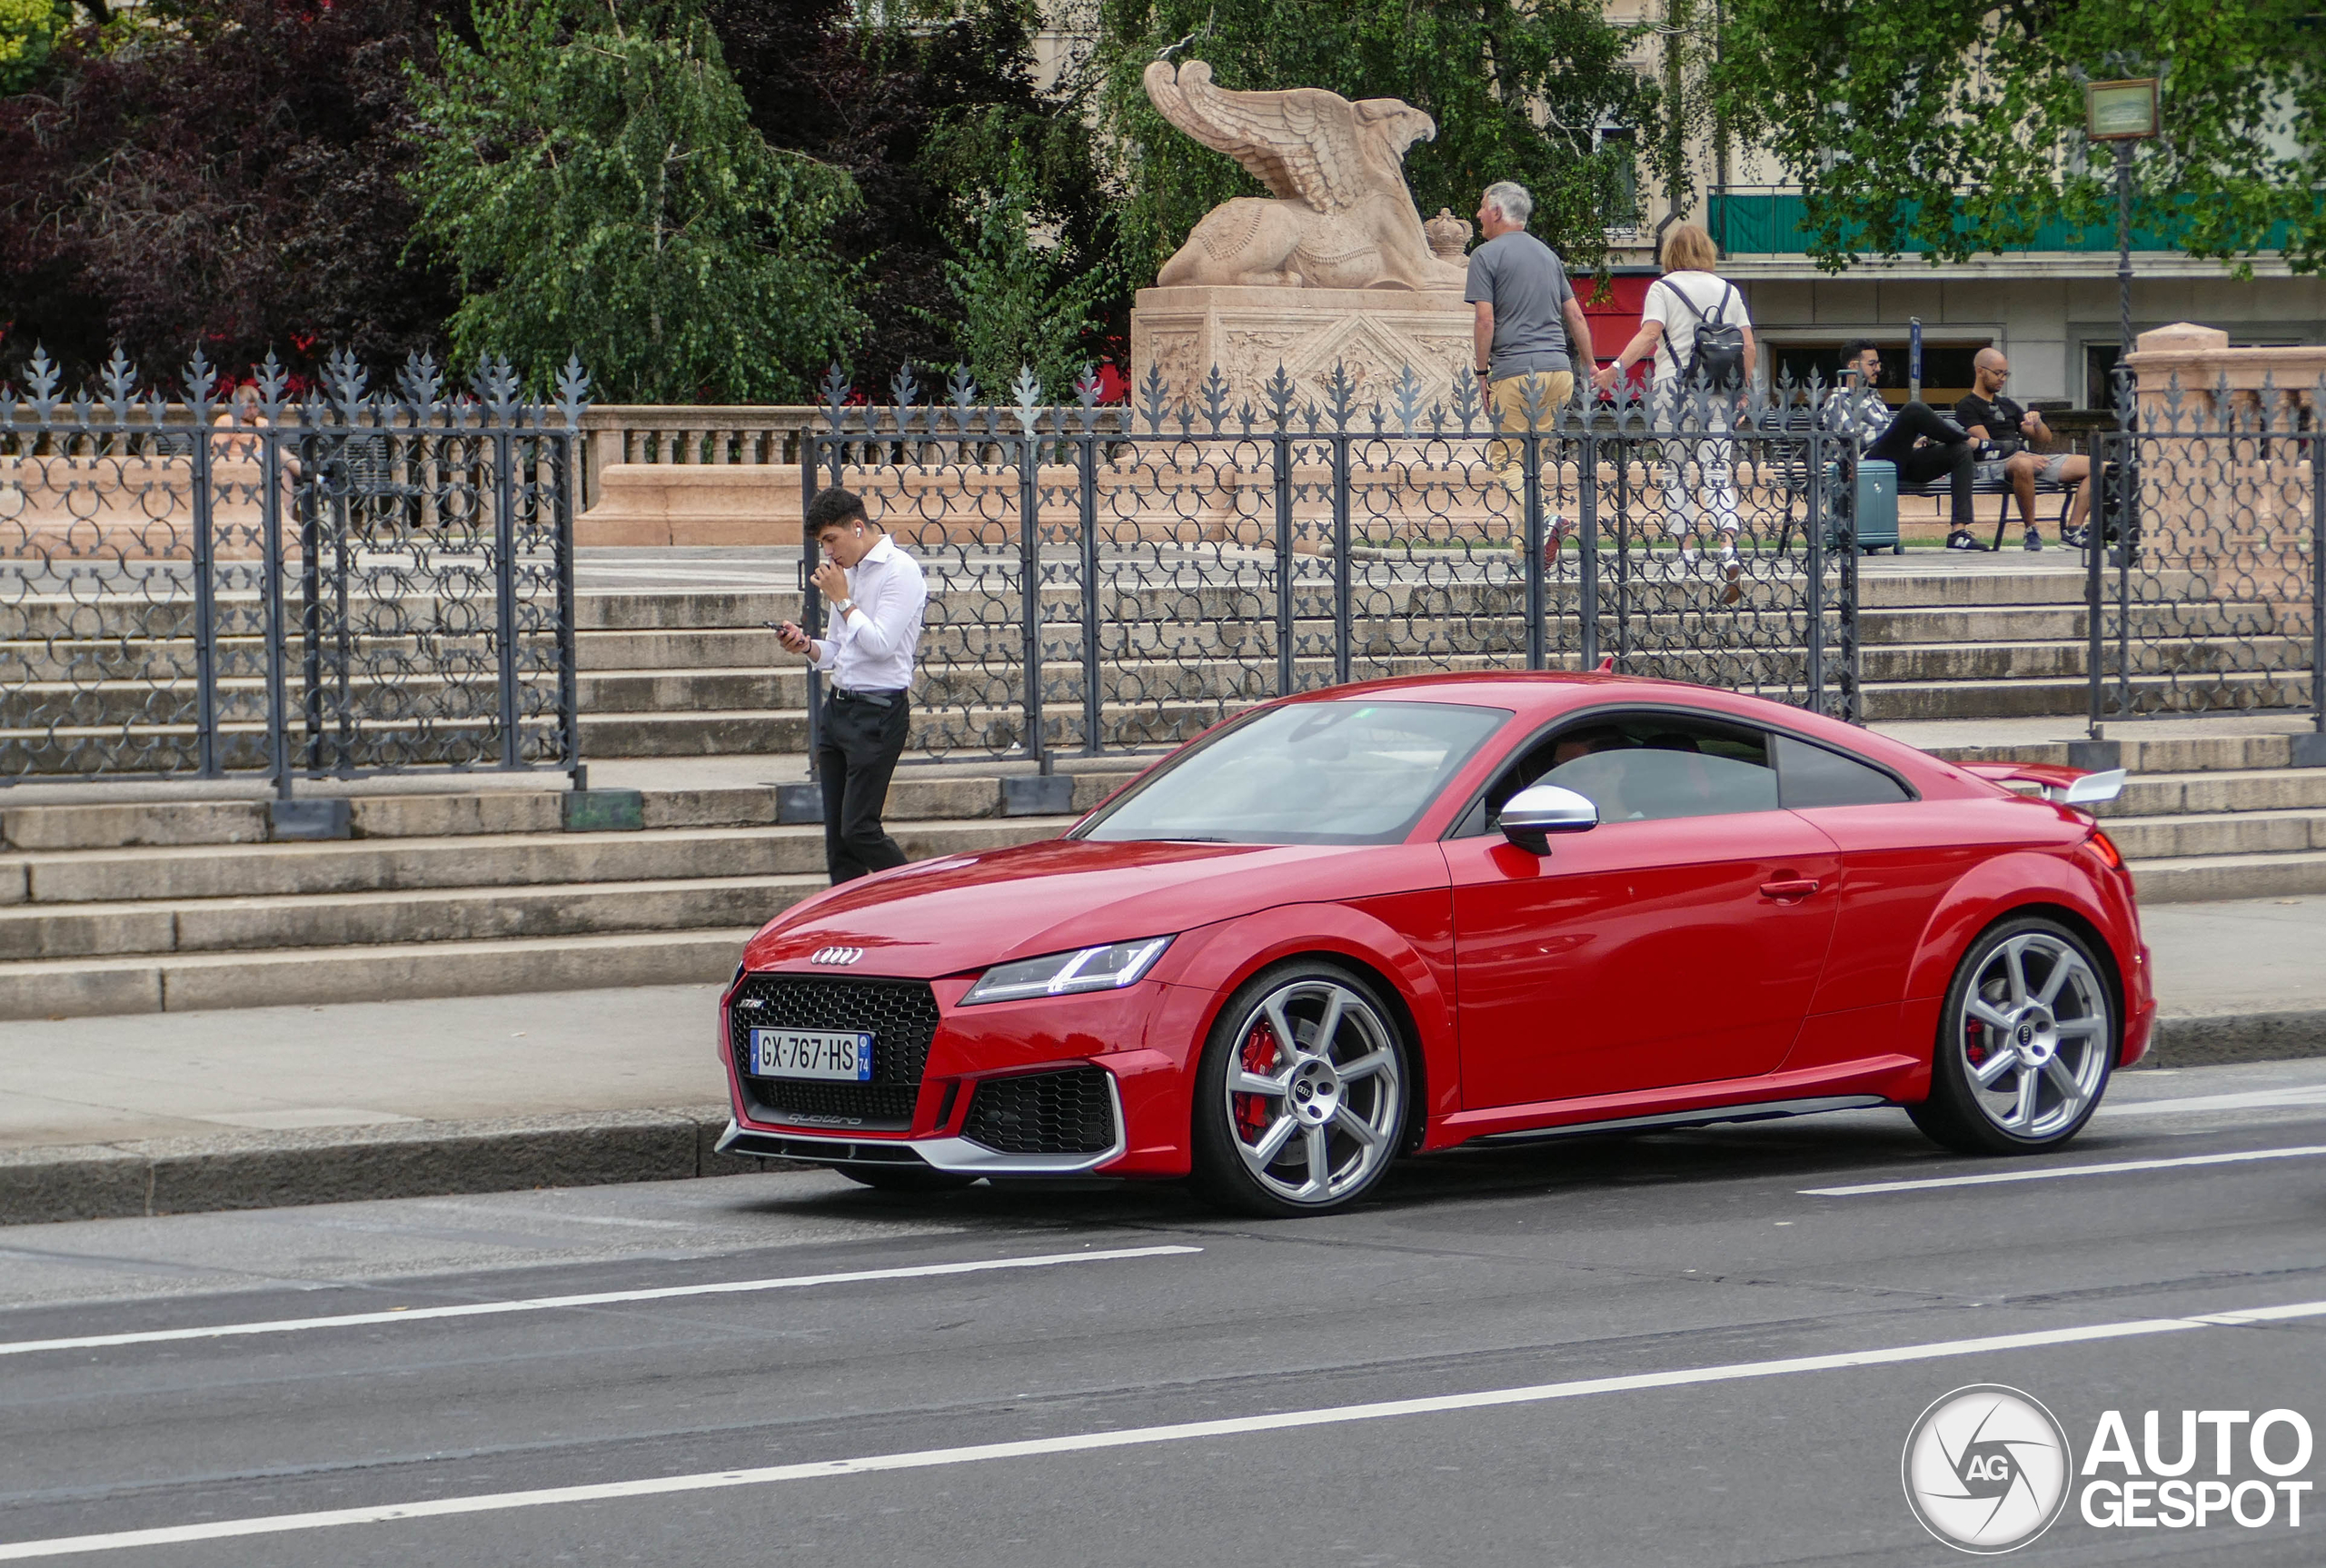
(1258, 1057)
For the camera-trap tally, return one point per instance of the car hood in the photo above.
(967, 911)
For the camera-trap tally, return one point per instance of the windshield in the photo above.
(1346, 773)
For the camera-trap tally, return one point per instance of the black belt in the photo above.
(877, 698)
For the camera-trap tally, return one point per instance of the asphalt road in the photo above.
(1675, 1349)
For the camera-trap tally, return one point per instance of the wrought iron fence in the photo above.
(2205, 596)
(339, 584)
(1109, 579)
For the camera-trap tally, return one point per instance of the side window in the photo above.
(1644, 768)
(1810, 776)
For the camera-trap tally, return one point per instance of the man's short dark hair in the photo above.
(833, 508)
(1850, 350)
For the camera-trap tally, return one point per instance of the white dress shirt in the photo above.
(870, 648)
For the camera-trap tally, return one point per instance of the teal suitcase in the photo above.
(1873, 507)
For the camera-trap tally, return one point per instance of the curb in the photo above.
(347, 1164)
(590, 1148)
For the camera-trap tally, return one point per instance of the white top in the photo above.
(870, 648)
(1704, 292)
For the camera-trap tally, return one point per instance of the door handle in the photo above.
(1788, 890)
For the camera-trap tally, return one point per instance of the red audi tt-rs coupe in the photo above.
(1390, 919)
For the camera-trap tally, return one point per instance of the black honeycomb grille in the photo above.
(1062, 1112)
(901, 1013)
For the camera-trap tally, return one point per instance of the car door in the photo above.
(1677, 942)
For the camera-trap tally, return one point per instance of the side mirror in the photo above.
(1535, 813)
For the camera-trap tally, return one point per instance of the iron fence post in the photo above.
(1283, 559)
(505, 584)
(205, 614)
(1588, 524)
(311, 613)
(1623, 545)
(812, 603)
(2318, 580)
(1343, 620)
(1531, 470)
(2096, 536)
(1812, 543)
(1087, 499)
(569, 462)
(278, 699)
(1029, 566)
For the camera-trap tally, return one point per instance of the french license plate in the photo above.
(844, 1055)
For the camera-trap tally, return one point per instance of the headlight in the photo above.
(1103, 968)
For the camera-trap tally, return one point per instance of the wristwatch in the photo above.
(841, 607)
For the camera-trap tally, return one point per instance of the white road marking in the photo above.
(1137, 1436)
(2248, 1100)
(595, 1298)
(1995, 1178)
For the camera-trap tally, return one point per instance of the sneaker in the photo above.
(2034, 541)
(1736, 589)
(2075, 538)
(1960, 539)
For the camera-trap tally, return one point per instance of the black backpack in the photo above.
(1716, 357)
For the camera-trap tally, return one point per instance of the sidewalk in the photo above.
(302, 1104)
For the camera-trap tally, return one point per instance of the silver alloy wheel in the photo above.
(2034, 1033)
(1314, 1094)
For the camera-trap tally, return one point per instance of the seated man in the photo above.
(1991, 417)
(1923, 442)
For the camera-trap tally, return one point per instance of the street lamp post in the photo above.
(2124, 112)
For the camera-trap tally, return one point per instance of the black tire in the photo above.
(1357, 1121)
(906, 1178)
(2029, 1011)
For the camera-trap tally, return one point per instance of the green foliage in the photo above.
(592, 171)
(28, 30)
(1023, 289)
(1961, 126)
(1517, 92)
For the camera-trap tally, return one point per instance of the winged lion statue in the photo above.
(1341, 217)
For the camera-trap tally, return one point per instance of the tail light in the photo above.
(2104, 850)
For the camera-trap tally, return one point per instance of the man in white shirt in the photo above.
(877, 595)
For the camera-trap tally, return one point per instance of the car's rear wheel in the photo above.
(906, 1178)
(1300, 1102)
(2026, 1043)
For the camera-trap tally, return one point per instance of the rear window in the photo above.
(1809, 776)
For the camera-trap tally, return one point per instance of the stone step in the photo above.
(2034, 661)
(2198, 878)
(186, 982)
(2240, 789)
(312, 869)
(2241, 832)
(38, 931)
(2236, 691)
(2165, 755)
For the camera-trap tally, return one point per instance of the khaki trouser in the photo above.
(1508, 395)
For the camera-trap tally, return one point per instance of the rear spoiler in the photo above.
(2067, 786)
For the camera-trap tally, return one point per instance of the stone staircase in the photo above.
(121, 906)
(140, 907)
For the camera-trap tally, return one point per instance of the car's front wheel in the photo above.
(1300, 1102)
(2026, 1043)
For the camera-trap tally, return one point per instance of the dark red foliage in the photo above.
(235, 189)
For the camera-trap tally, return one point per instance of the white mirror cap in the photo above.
(2093, 788)
(1549, 809)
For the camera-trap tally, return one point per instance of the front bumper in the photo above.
(961, 1156)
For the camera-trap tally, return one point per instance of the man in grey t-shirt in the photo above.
(1526, 315)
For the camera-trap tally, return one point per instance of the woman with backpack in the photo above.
(1695, 324)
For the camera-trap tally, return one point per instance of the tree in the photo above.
(1959, 129)
(1021, 297)
(1519, 91)
(921, 102)
(221, 174)
(28, 33)
(591, 169)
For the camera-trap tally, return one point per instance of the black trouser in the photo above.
(856, 751)
(1950, 453)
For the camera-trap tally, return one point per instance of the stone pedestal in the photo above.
(1247, 333)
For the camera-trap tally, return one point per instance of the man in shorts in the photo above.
(2011, 431)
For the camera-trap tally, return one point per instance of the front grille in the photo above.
(1062, 1112)
(902, 1016)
